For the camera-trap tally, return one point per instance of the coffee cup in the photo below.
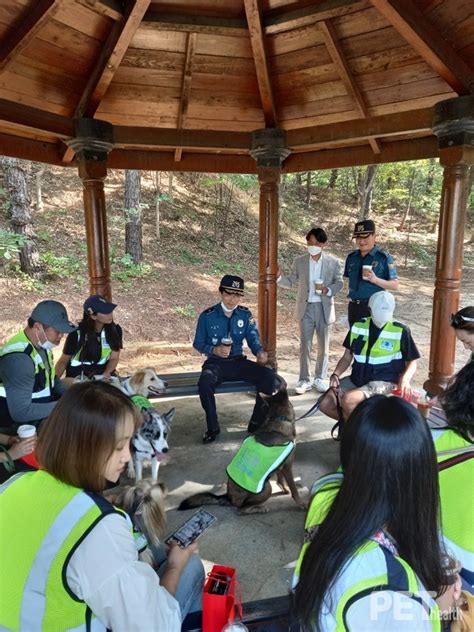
(366, 271)
(423, 406)
(226, 341)
(26, 431)
(318, 286)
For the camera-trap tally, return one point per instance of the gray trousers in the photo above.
(314, 321)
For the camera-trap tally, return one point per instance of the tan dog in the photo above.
(143, 382)
(277, 433)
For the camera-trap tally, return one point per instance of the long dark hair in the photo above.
(464, 319)
(89, 341)
(391, 483)
(458, 402)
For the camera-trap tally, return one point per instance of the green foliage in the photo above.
(421, 254)
(10, 244)
(224, 266)
(124, 269)
(61, 267)
(28, 283)
(186, 310)
(188, 257)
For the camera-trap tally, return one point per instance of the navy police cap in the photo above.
(232, 283)
(364, 228)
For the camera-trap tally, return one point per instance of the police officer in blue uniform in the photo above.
(365, 282)
(220, 332)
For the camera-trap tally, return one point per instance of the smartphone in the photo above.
(191, 529)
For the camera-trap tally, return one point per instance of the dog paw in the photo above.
(302, 505)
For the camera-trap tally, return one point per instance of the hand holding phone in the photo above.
(190, 530)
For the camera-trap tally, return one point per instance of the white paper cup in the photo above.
(26, 431)
(318, 286)
(366, 270)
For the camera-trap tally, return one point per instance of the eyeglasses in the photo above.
(232, 293)
(458, 319)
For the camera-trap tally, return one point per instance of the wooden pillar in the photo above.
(93, 142)
(269, 150)
(453, 123)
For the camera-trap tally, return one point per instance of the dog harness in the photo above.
(36, 596)
(254, 463)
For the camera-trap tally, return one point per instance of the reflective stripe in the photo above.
(78, 363)
(335, 477)
(389, 335)
(378, 360)
(3, 392)
(34, 595)
(46, 392)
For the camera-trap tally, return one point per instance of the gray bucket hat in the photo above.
(53, 314)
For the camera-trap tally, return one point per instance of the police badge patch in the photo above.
(240, 323)
(386, 345)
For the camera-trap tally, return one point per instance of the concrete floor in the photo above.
(259, 545)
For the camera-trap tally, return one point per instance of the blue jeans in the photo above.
(190, 586)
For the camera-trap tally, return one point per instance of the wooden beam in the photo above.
(185, 138)
(257, 40)
(354, 156)
(164, 161)
(112, 54)
(28, 149)
(196, 24)
(33, 118)
(360, 129)
(278, 21)
(186, 86)
(339, 60)
(428, 42)
(25, 29)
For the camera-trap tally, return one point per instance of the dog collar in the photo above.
(141, 402)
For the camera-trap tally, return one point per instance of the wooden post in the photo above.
(269, 150)
(453, 123)
(93, 141)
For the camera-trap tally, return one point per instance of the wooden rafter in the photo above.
(109, 60)
(278, 21)
(25, 30)
(35, 119)
(196, 24)
(257, 40)
(339, 60)
(186, 87)
(416, 29)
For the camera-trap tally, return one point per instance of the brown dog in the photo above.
(269, 451)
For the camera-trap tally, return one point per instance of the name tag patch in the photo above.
(386, 345)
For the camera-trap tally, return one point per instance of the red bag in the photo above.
(218, 599)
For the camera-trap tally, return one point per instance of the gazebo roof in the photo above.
(185, 82)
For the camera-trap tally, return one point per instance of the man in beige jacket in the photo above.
(318, 277)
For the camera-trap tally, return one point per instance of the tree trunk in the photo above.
(333, 178)
(365, 191)
(39, 187)
(170, 187)
(133, 215)
(308, 189)
(408, 208)
(230, 195)
(157, 203)
(16, 183)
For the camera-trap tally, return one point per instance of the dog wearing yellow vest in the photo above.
(271, 450)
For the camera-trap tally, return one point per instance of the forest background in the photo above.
(172, 237)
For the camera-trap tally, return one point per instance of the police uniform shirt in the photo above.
(213, 325)
(382, 264)
(73, 344)
(368, 372)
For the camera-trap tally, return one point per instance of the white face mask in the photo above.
(47, 345)
(381, 318)
(226, 309)
(314, 250)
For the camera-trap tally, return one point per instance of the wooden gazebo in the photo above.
(245, 86)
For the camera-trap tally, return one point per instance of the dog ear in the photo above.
(169, 416)
(266, 398)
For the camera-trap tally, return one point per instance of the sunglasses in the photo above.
(458, 319)
(232, 293)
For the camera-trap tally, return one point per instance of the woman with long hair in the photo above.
(463, 325)
(71, 557)
(377, 551)
(454, 445)
(94, 348)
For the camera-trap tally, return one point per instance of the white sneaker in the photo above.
(302, 387)
(321, 385)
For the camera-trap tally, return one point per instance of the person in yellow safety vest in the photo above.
(383, 356)
(94, 349)
(71, 556)
(454, 446)
(29, 386)
(373, 557)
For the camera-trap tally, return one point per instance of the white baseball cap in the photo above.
(383, 303)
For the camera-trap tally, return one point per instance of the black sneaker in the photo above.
(210, 435)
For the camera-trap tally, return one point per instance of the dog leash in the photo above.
(339, 425)
(315, 407)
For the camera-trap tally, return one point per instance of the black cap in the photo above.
(53, 314)
(232, 283)
(364, 228)
(97, 304)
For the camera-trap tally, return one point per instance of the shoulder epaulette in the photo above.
(243, 308)
(397, 324)
(352, 253)
(210, 310)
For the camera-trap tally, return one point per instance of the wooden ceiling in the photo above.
(185, 82)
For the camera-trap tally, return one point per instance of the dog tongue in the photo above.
(159, 456)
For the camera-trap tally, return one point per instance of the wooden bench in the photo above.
(182, 384)
(265, 615)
